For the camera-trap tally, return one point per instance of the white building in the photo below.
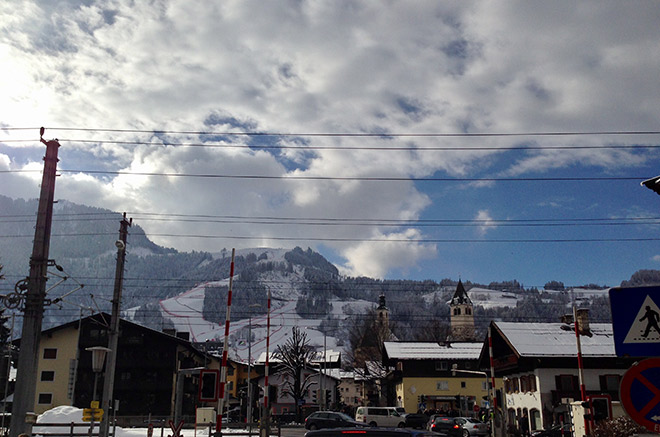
(539, 365)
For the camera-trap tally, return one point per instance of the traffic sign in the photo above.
(92, 415)
(636, 320)
(640, 393)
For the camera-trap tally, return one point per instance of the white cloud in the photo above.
(318, 67)
(375, 259)
(485, 222)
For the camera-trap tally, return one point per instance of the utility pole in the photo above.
(113, 335)
(28, 357)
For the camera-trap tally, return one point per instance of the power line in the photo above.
(347, 178)
(310, 221)
(349, 134)
(362, 148)
(366, 240)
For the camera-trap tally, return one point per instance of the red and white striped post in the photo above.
(583, 389)
(492, 381)
(225, 349)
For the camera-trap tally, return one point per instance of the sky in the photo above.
(487, 141)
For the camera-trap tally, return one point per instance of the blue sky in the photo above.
(138, 79)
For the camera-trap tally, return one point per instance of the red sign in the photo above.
(209, 380)
(640, 393)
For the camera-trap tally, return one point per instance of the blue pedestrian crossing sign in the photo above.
(636, 321)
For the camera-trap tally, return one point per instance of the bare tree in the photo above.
(295, 356)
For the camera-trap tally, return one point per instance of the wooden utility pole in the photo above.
(113, 335)
(28, 358)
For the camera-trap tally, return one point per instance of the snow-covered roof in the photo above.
(432, 351)
(550, 340)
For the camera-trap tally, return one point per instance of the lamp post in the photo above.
(249, 378)
(98, 359)
(454, 369)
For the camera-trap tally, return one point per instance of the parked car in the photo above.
(416, 420)
(554, 431)
(372, 432)
(330, 419)
(459, 426)
(380, 416)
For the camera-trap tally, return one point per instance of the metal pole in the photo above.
(225, 349)
(249, 378)
(6, 392)
(324, 366)
(113, 335)
(583, 391)
(492, 382)
(264, 429)
(28, 358)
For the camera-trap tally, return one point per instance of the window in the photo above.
(535, 418)
(566, 382)
(524, 384)
(441, 365)
(442, 385)
(463, 384)
(50, 353)
(532, 382)
(485, 385)
(47, 375)
(515, 384)
(457, 311)
(468, 311)
(609, 382)
(45, 398)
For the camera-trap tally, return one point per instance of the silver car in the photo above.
(472, 427)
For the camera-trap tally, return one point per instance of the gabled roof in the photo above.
(554, 340)
(432, 351)
(104, 319)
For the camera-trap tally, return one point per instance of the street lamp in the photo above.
(98, 359)
(249, 378)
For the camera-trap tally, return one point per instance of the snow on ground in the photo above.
(494, 298)
(65, 415)
(185, 312)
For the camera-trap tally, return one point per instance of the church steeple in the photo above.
(462, 317)
(383, 314)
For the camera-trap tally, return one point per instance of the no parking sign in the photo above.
(640, 393)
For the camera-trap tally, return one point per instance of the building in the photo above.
(538, 362)
(461, 315)
(147, 366)
(281, 403)
(434, 376)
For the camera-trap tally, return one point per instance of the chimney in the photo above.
(583, 321)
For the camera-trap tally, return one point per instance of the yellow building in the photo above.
(442, 377)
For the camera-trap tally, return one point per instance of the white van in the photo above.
(380, 416)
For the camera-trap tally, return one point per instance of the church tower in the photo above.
(462, 316)
(383, 314)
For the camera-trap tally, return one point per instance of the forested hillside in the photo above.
(83, 244)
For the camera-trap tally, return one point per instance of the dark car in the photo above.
(554, 431)
(372, 432)
(417, 421)
(330, 419)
